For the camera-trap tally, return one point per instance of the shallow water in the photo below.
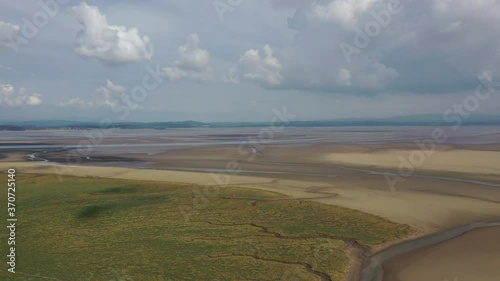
(353, 135)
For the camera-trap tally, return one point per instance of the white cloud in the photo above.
(231, 76)
(8, 34)
(115, 88)
(252, 66)
(341, 11)
(343, 77)
(110, 44)
(76, 102)
(34, 99)
(109, 95)
(11, 98)
(193, 62)
(486, 75)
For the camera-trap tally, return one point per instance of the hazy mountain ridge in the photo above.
(410, 120)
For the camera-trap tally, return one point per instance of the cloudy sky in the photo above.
(237, 60)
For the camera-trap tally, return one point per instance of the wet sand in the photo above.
(458, 161)
(474, 256)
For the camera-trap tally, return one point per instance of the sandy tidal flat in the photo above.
(471, 256)
(459, 161)
(428, 212)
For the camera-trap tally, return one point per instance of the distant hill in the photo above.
(11, 128)
(409, 120)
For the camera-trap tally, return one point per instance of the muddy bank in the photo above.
(374, 270)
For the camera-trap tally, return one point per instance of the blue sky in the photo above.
(237, 60)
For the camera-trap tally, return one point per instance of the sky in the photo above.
(240, 60)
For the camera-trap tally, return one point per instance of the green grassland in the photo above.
(118, 230)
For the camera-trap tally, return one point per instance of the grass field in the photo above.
(106, 229)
